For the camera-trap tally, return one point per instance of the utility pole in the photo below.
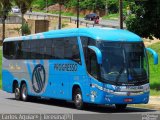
(60, 10)
(121, 13)
(47, 6)
(4, 16)
(3, 24)
(78, 9)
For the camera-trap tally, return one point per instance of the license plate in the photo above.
(128, 100)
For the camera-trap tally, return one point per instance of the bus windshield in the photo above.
(124, 63)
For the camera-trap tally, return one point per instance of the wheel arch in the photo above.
(23, 81)
(74, 87)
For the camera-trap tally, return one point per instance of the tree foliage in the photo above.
(40, 4)
(84, 4)
(112, 5)
(24, 5)
(88, 4)
(146, 19)
(5, 7)
(0, 9)
(26, 29)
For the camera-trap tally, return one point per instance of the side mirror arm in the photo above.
(98, 53)
(155, 55)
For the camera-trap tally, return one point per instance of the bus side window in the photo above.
(59, 48)
(71, 50)
(75, 52)
(19, 52)
(26, 49)
(92, 65)
(9, 50)
(86, 41)
(49, 50)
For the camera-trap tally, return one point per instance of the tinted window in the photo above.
(67, 48)
(94, 66)
(26, 49)
(62, 48)
(9, 50)
(59, 48)
(18, 50)
(90, 57)
(86, 41)
(71, 49)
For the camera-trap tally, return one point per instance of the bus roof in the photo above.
(106, 34)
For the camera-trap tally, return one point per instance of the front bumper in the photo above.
(115, 99)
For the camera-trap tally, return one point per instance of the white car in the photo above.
(15, 9)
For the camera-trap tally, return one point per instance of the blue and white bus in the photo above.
(83, 65)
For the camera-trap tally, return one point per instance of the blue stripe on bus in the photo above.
(41, 62)
(29, 70)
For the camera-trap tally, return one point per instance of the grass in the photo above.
(0, 69)
(111, 16)
(154, 70)
(154, 92)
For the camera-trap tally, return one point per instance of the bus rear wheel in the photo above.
(121, 106)
(78, 101)
(24, 92)
(17, 93)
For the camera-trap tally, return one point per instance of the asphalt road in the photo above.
(109, 23)
(8, 105)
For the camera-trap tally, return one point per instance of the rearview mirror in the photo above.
(98, 53)
(155, 55)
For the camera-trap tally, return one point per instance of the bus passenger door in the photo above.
(94, 76)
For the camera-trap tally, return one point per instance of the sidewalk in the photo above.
(154, 103)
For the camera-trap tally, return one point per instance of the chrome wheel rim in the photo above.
(78, 100)
(17, 93)
(24, 93)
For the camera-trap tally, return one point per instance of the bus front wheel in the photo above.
(24, 92)
(121, 106)
(78, 101)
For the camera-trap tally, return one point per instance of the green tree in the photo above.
(146, 18)
(88, 4)
(24, 6)
(0, 9)
(112, 5)
(60, 2)
(41, 4)
(94, 4)
(5, 6)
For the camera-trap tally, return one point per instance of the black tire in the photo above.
(121, 106)
(24, 92)
(78, 100)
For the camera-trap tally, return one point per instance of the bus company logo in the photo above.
(38, 78)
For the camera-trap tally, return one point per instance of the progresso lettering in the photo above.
(65, 67)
